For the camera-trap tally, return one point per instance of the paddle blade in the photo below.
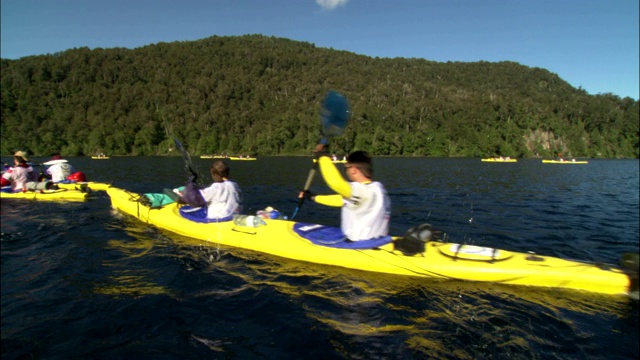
(335, 114)
(187, 158)
(185, 154)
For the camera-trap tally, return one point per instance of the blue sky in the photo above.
(591, 44)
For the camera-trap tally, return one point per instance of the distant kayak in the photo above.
(335, 161)
(99, 157)
(575, 162)
(326, 245)
(48, 195)
(509, 160)
(226, 157)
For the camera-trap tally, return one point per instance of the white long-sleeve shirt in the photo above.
(19, 176)
(59, 172)
(223, 199)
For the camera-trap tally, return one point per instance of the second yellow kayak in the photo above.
(48, 195)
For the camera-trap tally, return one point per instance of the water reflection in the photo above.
(130, 285)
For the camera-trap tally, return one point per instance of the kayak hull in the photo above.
(440, 260)
(48, 195)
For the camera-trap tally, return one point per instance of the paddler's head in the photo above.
(20, 157)
(359, 166)
(219, 171)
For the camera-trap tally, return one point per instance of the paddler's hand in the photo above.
(307, 195)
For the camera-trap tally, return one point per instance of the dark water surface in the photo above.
(80, 281)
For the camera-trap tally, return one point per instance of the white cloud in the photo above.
(331, 4)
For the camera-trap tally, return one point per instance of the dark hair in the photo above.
(221, 168)
(362, 161)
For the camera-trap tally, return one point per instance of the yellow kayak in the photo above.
(574, 162)
(48, 195)
(507, 160)
(241, 158)
(287, 239)
(99, 157)
(95, 186)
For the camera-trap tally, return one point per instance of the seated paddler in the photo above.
(223, 196)
(366, 208)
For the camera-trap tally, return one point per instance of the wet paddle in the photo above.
(188, 165)
(334, 118)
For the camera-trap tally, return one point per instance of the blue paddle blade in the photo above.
(335, 114)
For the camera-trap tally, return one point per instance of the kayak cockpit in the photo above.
(333, 237)
(200, 215)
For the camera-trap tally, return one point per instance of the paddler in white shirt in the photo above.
(366, 207)
(59, 169)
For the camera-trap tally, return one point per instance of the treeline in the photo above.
(261, 95)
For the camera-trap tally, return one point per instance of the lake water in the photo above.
(81, 281)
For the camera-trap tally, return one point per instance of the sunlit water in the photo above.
(82, 281)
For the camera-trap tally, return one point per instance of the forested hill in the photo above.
(261, 95)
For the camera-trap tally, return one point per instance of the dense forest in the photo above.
(261, 95)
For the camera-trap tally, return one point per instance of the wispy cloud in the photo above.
(331, 4)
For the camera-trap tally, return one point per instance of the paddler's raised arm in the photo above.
(333, 178)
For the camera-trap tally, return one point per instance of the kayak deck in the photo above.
(94, 186)
(48, 195)
(440, 260)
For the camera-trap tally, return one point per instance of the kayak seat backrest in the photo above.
(333, 237)
(200, 215)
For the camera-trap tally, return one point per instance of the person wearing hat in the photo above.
(21, 154)
(59, 169)
(21, 175)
